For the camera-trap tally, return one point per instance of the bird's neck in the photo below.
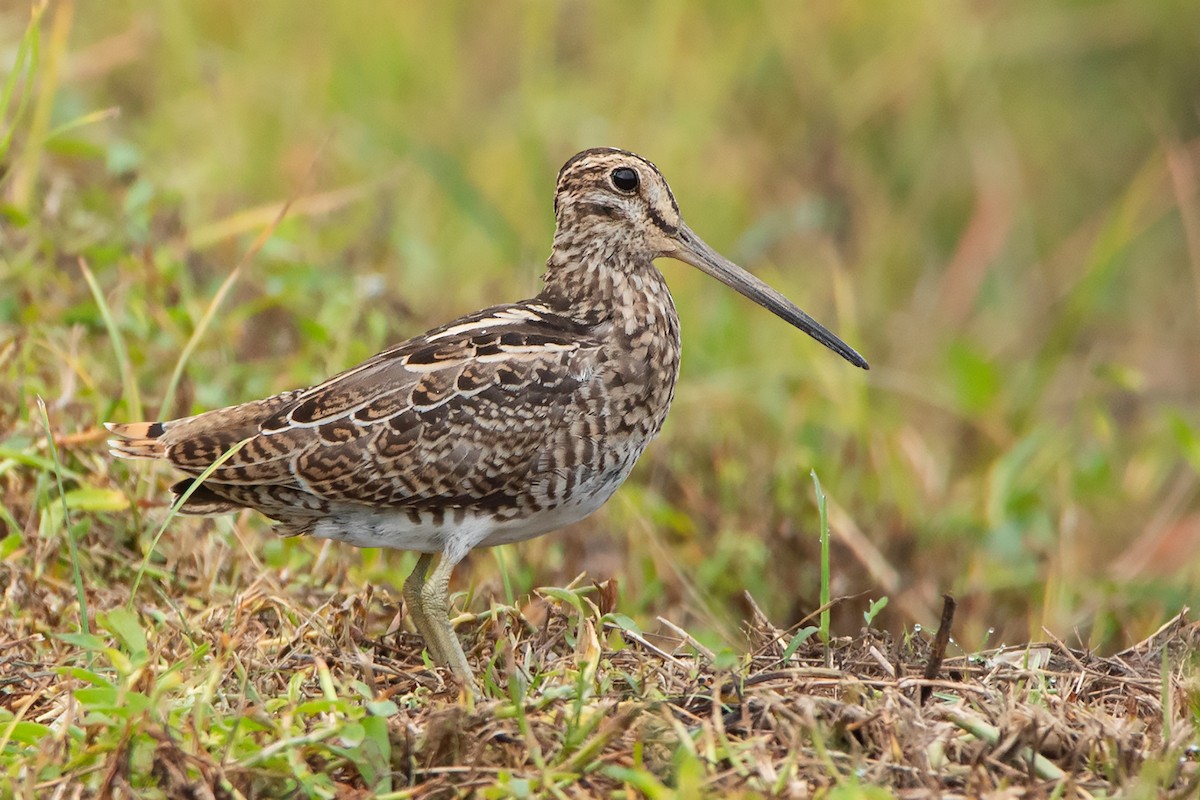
(604, 284)
(626, 304)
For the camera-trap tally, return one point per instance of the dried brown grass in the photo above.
(581, 707)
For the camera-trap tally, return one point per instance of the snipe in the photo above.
(497, 427)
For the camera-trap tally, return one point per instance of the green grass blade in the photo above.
(84, 120)
(28, 162)
(825, 590)
(185, 355)
(128, 383)
(24, 66)
(76, 574)
(179, 501)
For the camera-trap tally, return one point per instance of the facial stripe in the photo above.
(599, 210)
(659, 222)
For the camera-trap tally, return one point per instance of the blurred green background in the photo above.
(996, 203)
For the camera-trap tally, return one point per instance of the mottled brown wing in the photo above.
(456, 417)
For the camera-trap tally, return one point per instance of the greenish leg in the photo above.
(436, 605)
(429, 607)
(415, 605)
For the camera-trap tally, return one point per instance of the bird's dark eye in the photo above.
(625, 179)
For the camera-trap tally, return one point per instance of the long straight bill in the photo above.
(694, 251)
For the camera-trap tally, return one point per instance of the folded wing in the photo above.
(455, 418)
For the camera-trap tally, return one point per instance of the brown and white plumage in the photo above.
(501, 425)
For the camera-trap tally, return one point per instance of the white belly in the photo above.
(551, 519)
(457, 531)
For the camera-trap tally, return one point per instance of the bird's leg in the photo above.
(436, 606)
(414, 601)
